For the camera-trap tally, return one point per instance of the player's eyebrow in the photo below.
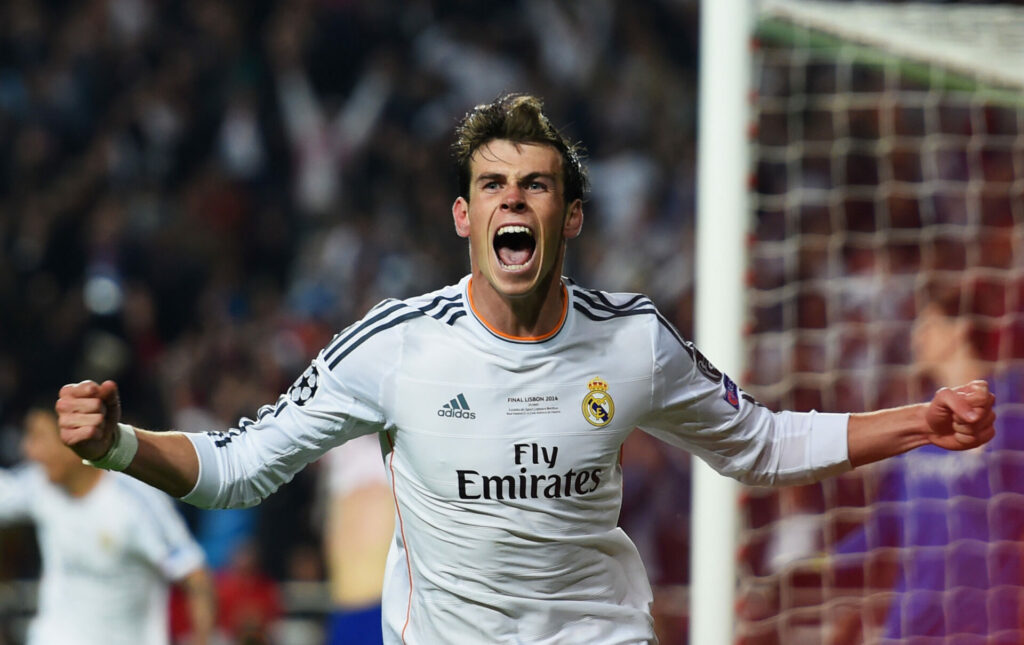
(489, 177)
(538, 175)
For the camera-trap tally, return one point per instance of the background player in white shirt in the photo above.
(503, 402)
(110, 547)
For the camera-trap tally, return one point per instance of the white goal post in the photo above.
(722, 213)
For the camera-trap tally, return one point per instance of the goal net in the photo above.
(887, 256)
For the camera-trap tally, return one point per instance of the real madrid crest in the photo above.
(598, 407)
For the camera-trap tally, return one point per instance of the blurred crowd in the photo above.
(195, 196)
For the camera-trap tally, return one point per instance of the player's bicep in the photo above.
(701, 409)
(325, 407)
(691, 396)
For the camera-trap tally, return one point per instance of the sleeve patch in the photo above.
(731, 392)
(305, 386)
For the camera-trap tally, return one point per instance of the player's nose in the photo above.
(512, 200)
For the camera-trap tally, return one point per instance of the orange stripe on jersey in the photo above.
(401, 528)
(561, 319)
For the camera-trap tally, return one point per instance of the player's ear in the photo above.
(573, 220)
(460, 213)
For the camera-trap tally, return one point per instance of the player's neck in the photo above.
(535, 315)
(80, 481)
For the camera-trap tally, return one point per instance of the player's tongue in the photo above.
(514, 245)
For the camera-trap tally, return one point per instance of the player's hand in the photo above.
(962, 418)
(87, 415)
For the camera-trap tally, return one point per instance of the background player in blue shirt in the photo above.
(956, 520)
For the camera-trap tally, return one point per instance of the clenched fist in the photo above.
(961, 418)
(87, 415)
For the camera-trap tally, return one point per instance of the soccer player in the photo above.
(503, 401)
(110, 547)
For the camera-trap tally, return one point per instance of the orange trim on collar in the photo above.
(532, 339)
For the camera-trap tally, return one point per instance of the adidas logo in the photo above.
(457, 408)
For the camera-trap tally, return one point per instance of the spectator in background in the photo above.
(249, 601)
(220, 532)
(957, 523)
(358, 527)
(110, 549)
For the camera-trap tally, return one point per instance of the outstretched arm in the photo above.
(88, 415)
(957, 418)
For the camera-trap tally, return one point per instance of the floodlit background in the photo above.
(196, 196)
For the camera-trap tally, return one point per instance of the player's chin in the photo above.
(515, 280)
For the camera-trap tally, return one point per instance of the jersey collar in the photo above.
(519, 339)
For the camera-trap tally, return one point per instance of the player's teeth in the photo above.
(514, 229)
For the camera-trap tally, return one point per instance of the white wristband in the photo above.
(121, 452)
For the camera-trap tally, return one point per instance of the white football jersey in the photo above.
(503, 454)
(106, 557)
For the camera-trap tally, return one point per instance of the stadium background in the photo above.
(195, 196)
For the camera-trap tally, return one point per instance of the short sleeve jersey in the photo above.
(107, 557)
(503, 454)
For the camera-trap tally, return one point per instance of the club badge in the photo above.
(598, 407)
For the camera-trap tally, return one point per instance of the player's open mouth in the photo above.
(514, 246)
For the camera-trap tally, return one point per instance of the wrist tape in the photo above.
(121, 452)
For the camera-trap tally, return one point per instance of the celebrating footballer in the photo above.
(501, 403)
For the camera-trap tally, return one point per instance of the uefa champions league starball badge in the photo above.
(305, 386)
(598, 407)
